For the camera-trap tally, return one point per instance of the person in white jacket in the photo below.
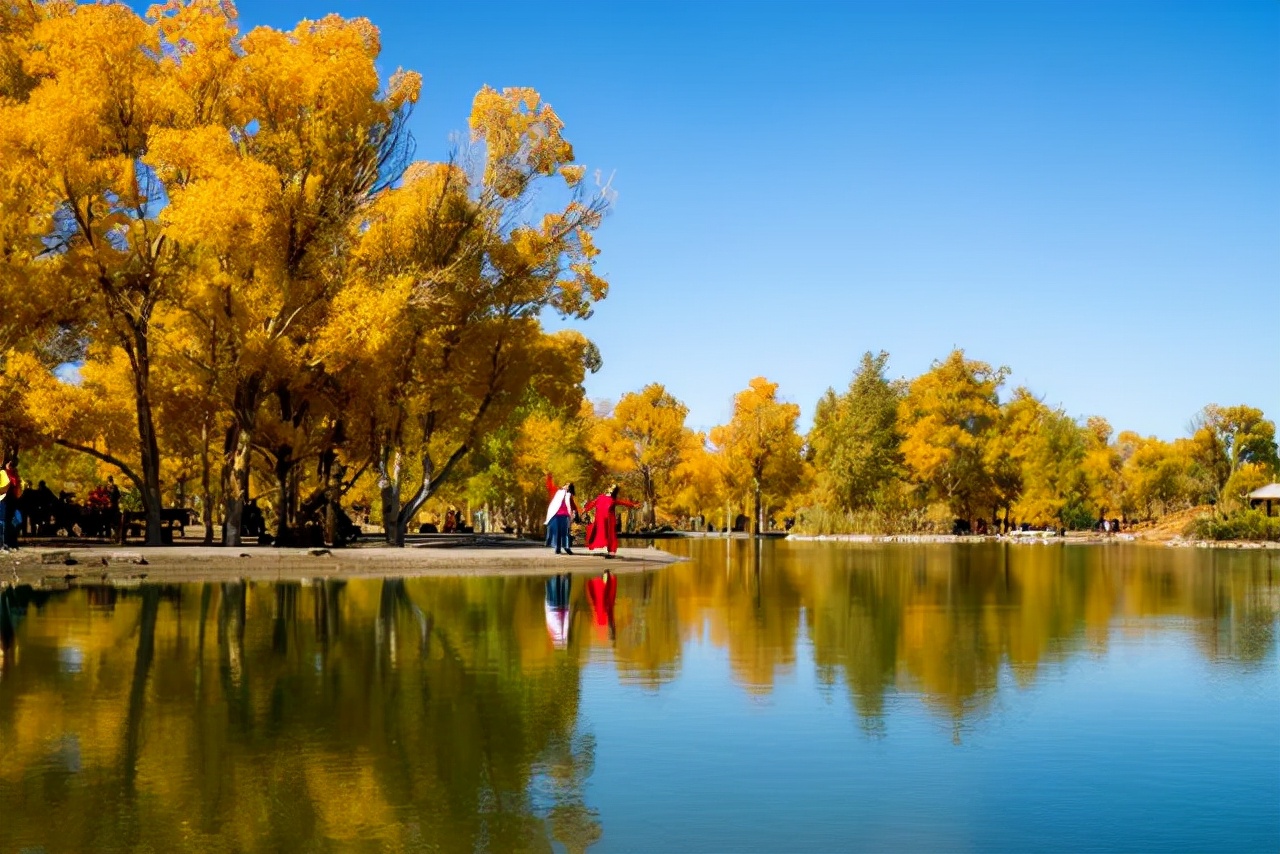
(561, 509)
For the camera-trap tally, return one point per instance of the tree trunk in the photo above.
(206, 494)
(237, 487)
(389, 489)
(650, 499)
(759, 507)
(147, 443)
(328, 519)
(410, 510)
(284, 465)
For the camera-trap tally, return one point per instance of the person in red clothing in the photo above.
(561, 508)
(602, 533)
(600, 593)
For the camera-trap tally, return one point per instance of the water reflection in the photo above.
(445, 713)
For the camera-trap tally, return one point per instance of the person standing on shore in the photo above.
(561, 509)
(602, 533)
(10, 492)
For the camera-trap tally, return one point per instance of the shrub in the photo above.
(1243, 525)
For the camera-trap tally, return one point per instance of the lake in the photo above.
(762, 696)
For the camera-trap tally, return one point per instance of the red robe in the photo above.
(601, 593)
(603, 530)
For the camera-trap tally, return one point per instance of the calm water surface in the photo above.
(760, 697)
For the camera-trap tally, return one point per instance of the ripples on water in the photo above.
(759, 697)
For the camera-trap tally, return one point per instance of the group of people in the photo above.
(602, 533)
(602, 530)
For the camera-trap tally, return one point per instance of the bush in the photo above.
(1244, 525)
(1076, 516)
(881, 520)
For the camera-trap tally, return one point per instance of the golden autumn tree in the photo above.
(946, 421)
(1010, 447)
(701, 478)
(1101, 468)
(512, 461)
(168, 159)
(308, 141)
(644, 439)
(760, 446)
(93, 96)
(1227, 438)
(451, 273)
(1054, 488)
(1161, 477)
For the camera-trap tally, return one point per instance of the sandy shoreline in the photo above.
(77, 562)
(1042, 538)
(92, 563)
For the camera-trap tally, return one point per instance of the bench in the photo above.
(171, 519)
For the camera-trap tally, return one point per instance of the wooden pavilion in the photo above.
(1269, 494)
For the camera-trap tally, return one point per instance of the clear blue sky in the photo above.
(1087, 192)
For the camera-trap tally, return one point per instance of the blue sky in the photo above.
(1086, 192)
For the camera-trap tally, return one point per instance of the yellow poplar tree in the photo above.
(946, 421)
(760, 446)
(644, 439)
(701, 478)
(455, 267)
(267, 192)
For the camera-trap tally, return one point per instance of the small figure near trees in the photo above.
(561, 508)
(602, 532)
(113, 494)
(10, 492)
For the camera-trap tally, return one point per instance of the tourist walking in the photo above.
(602, 533)
(561, 509)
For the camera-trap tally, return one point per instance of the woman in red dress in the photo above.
(602, 533)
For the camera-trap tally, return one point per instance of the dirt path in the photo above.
(60, 564)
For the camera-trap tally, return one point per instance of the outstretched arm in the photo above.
(622, 502)
(590, 504)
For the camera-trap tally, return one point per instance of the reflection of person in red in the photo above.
(602, 533)
(600, 593)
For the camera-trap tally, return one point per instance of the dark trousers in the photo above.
(8, 528)
(558, 533)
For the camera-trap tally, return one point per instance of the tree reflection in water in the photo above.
(442, 713)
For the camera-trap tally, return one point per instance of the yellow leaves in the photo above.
(572, 174)
(228, 209)
(522, 138)
(760, 443)
(366, 324)
(404, 89)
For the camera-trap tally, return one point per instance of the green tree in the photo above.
(854, 443)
